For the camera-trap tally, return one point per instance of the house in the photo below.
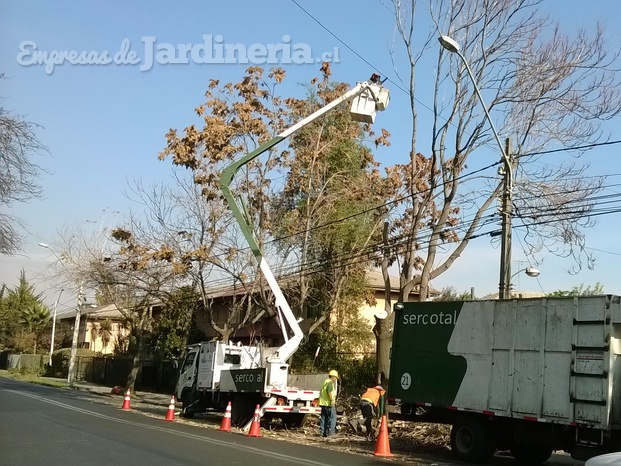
(268, 329)
(102, 329)
(376, 282)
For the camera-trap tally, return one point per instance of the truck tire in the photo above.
(186, 400)
(295, 420)
(471, 441)
(242, 410)
(530, 454)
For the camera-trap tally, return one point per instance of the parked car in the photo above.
(605, 460)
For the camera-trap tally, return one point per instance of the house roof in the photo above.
(106, 311)
(518, 294)
(375, 280)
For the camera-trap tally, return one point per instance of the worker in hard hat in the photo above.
(372, 403)
(327, 402)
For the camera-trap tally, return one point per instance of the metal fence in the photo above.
(158, 376)
(21, 362)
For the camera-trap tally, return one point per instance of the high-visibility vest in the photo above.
(373, 395)
(325, 395)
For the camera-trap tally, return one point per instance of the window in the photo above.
(189, 361)
(232, 358)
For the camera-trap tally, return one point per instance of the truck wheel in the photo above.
(530, 454)
(472, 441)
(186, 401)
(292, 421)
(242, 411)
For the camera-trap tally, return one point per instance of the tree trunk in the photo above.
(133, 374)
(383, 337)
(383, 327)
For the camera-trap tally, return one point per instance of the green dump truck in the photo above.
(526, 375)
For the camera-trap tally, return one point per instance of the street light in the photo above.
(504, 286)
(76, 328)
(54, 324)
(46, 246)
(529, 271)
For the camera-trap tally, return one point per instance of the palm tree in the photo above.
(94, 333)
(105, 330)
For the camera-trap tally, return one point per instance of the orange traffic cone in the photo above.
(226, 420)
(170, 414)
(126, 401)
(382, 447)
(255, 427)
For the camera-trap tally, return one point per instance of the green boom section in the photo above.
(422, 370)
(225, 185)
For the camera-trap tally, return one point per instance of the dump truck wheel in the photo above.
(472, 441)
(292, 421)
(242, 411)
(530, 454)
(186, 401)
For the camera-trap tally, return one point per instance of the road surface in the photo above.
(41, 425)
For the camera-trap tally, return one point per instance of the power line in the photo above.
(307, 13)
(565, 149)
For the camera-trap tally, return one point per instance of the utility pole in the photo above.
(76, 334)
(504, 287)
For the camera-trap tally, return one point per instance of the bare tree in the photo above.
(18, 173)
(194, 238)
(542, 87)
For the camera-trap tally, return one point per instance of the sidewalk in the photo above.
(159, 399)
(144, 397)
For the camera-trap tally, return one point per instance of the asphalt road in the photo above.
(41, 425)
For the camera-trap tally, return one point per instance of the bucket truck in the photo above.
(215, 372)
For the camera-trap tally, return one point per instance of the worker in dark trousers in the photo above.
(372, 403)
(327, 402)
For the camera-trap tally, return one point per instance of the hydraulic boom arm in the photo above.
(378, 96)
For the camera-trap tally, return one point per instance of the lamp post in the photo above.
(76, 325)
(530, 271)
(54, 324)
(504, 286)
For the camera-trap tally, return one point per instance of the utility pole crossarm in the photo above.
(379, 96)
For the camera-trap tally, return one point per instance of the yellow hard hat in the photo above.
(333, 373)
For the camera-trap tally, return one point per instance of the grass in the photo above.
(33, 378)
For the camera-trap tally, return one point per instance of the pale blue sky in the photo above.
(105, 125)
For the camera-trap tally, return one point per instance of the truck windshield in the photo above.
(189, 361)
